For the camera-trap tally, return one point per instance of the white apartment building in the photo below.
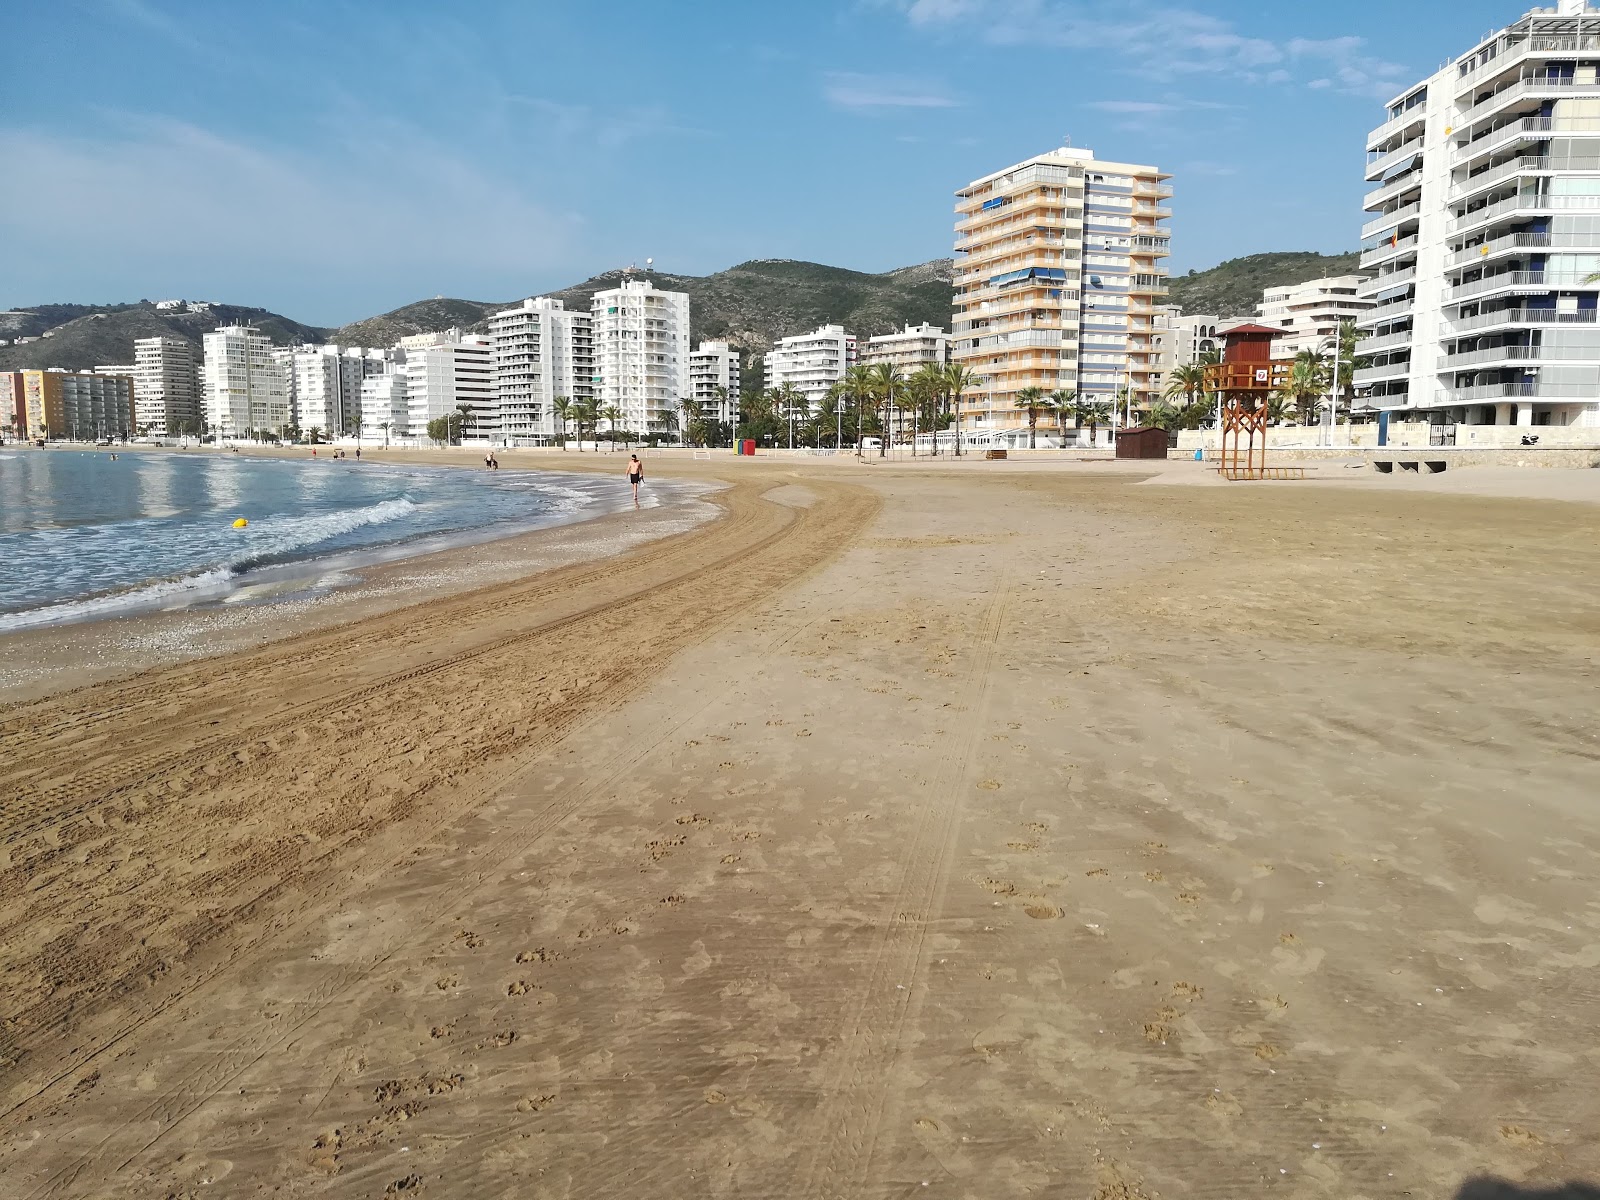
(384, 410)
(542, 352)
(444, 370)
(641, 343)
(166, 385)
(1058, 282)
(913, 348)
(714, 380)
(246, 388)
(811, 362)
(1486, 229)
(325, 385)
(1310, 313)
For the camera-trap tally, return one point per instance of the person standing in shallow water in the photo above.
(635, 476)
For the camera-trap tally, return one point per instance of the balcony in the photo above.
(1385, 313)
(1528, 128)
(1526, 164)
(1500, 354)
(1409, 182)
(1518, 242)
(1368, 376)
(1523, 390)
(1520, 206)
(1511, 318)
(1390, 220)
(1370, 346)
(1387, 251)
(1523, 89)
(1378, 167)
(1382, 283)
(1151, 211)
(1397, 125)
(1515, 55)
(1531, 281)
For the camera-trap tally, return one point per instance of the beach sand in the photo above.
(923, 831)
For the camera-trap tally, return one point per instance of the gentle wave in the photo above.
(270, 542)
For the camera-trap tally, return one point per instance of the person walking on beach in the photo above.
(635, 476)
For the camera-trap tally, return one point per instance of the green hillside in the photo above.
(1233, 288)
(87, 336)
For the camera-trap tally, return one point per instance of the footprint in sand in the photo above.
(1042, 912)
(714, 1096)
(1097, 873)
(990, 785)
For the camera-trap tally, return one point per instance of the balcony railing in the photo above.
(1389, 220)
(1385, 313)
(1525, 389)
(1369, 346)
(1551, 44)
(1525, 241)
(1382, 283)
(1472, 358)
(1498, 138)
(1412, 116)
(1523, 88)
(1388, 250)
(1409, 182)
(1524, 204)
(1519, 316)
(1370, 375)
(1538, 280)
(1378, 166)
(1526, 164)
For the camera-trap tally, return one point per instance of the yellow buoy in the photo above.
(240, 523)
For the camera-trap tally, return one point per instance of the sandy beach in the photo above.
(1021, 829)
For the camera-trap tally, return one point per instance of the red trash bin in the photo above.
(749, 447)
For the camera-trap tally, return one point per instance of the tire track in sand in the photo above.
(799, 542)
(855, 1086)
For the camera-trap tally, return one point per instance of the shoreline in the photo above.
(319, 593)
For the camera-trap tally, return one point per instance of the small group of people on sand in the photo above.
(490, 462)
(338, 453)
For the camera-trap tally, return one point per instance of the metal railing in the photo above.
(1369, 346)
(1512, 279)
(1549, 44)
(1512, 204)
(1528, 389)
(1405, 212)
(1520, 316)
(1525, 241)
(1387, 251)
(1409, 182)
(1383, 162)
(1523, 87)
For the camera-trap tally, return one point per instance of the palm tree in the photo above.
(788, 402)
(463, 418)
(582, 413)
(1031, 399)
(721, 394)
(693, 421)
(928, 386)
(561, 406)
(612, 415)
(1306, 385)
(860, 386)
(1090, 411)
(1188, 380)
(886, 384)
(957, 381)
(384, 425)
(1063, 403)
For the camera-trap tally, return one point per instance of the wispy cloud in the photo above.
(847, 89)
(609, 130)
(1179, 38)
(150, 18)
(182, 190)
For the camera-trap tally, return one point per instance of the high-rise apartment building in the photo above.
(542, 352)
(82, 406)
(1486, 193)
(13, 405)
(641, 345)
(446, 370)
(913, 348)
(811, 363)
(1059, 282)
(166, 386)
(247, 387)
(1310, 313)
(325, 385)
(714, 380)
(384, 410)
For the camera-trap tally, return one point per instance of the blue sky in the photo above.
(330, 159)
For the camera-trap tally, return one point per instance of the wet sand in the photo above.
(908, 831)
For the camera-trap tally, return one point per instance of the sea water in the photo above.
(83, 535)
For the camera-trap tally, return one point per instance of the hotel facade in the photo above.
(1059, 283)
(1485, 233)
(641, 352)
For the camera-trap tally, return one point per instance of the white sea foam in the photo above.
(272, 540)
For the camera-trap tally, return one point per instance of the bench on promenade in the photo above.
(988, 454)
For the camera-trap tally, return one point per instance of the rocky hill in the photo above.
(82, 337)
(752, 305)
(1233, 288)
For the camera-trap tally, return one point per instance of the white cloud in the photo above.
(1168, 38)
(174, 203)
(847, 89)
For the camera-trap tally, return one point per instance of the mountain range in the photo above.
(751, 305)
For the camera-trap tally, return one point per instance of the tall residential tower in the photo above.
(1059, 282)
(1486, 232)
(641, 349)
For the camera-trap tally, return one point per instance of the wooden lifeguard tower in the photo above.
(1246, 379)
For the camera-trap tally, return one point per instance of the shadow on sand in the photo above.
(1497, 1189)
